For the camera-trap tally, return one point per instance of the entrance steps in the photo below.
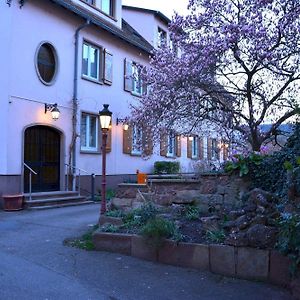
(45, 200)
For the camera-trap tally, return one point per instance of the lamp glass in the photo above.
(55, 113)
(125, 127)
(105, 117)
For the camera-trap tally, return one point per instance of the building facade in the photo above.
(74, 56)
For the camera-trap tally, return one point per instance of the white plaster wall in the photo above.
(24, 100)
(6, 21)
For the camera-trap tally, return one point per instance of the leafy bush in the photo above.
(157, 229)
(289, 239)
(166, 167)
(271, 174)
(110, 228)
(241, 163)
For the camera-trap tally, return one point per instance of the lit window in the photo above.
(137, 136)
(89, 132)
(91, 61)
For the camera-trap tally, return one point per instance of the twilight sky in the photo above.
(166, 7)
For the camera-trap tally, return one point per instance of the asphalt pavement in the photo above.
(34, 264)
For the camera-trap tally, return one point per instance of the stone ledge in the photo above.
(240, 262)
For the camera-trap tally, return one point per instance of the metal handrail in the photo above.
(30, 182)
(79, 174)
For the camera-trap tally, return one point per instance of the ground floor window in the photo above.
(89, 132)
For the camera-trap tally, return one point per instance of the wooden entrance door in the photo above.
(42, 154)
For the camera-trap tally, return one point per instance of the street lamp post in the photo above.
(105, 120)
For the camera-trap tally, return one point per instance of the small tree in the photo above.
(238, 69)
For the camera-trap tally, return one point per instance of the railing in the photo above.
(30, 181)
(78, 173)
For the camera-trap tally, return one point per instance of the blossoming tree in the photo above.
(231, 63)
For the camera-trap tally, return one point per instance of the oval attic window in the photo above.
(46, 63)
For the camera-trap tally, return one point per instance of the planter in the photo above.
(12, 202)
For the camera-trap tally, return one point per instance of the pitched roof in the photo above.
(151, 11)
(127, 33)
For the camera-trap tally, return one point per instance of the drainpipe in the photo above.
(72, 156)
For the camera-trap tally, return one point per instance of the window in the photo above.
(132, 78)
(91, 2)
(137, 136)
(97, 63)
(215, 149)
(46, 63)
(171, 145)
(195, 150)
(161, 37)
(89, 132)
(91, 61)
(107, 7)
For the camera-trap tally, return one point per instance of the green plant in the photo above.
(146, 212)
(157, 229)
(116, 213)
(216, 236)
(241, 163)
(262, 175)
(191, 212)
(289, 239)
(109, 228)
(166, 167)
(85, 242)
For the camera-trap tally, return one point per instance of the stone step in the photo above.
(54, 201)
(61, 205)
(49, 195)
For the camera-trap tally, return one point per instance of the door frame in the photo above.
(62, 154)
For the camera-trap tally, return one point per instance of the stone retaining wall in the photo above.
(239, 262)
(207, 191)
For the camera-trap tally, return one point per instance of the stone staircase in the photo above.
(55, 199)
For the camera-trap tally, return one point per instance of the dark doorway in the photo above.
(42, 154)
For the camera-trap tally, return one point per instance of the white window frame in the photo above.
(137, 83)
(195, 147)
(171, 145)
(99, 51)
(137, 136)
(214, 148)
(111, 7)
(88, 134)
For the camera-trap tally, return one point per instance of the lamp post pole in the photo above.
(103, 184)
(105, 121)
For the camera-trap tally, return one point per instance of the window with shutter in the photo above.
(163, 144)
(178, 145)
(200, 148)
(89, 133)
(133, 82)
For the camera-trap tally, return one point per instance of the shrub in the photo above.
(116, 213)
(191, 212)
(216, 236)
(157, 229)
(166, 167)
(289, 239)
(262, 175)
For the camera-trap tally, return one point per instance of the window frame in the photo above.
(133, 85)
(56, 63)
(195, 147)
(99, 65)
(88, 148)
(162, 37)
(214, 149)
(136, 140)
(171, 145)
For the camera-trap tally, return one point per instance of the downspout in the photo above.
(72, 154)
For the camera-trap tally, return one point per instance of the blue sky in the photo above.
(166, 7)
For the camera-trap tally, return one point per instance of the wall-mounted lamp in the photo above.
(124, 122)
(53, 109)
(191, 138)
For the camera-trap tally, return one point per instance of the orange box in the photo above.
(141, 178)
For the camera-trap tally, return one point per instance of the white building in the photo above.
(78, 54)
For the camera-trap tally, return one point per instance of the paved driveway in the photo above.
(34, 264)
